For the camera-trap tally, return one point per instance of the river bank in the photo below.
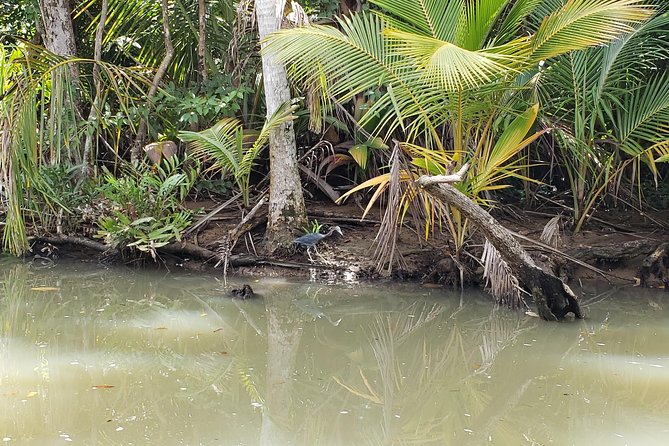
(617, 246)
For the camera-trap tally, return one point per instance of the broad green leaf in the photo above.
(360, 154)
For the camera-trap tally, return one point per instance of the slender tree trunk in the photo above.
(202, 41)
(93, 114)
(66, 108)
(160, 73)
(286, 202)
(554, 299)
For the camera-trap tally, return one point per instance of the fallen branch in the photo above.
(320, 183)
(74, 240)
(554, 299)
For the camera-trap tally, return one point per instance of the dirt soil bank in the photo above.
(616, 243)
(622, 247)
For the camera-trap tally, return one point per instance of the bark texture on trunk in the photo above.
(97, 82)
(286, 202)
(554, 298)
(58, 29)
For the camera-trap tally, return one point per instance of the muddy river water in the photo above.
(96, 356)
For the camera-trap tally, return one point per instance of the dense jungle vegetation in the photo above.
(114, 113)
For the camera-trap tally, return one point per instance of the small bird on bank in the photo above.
(311, 240)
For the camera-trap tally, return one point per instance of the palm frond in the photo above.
(500, 281)
(583, 23)
(643, 119)
(218, 143)
(355, 59)
(440, 19)
(481, 16)
(454, 68)
(233, 150)
(550, 235)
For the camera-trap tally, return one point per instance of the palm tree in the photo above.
(286, 208)
(608, 105)
(450, 76)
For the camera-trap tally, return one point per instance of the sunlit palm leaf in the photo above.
(354, 60)
(501, 162)
(644, 118)
(452, 67)
(441, 19)
(583, 23)
(233, 150)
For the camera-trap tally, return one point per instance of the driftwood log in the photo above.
(553, 298)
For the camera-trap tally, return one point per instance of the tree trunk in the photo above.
(59, 38)
(58, 30)
(286, 202)
(554, 299)
(202, 41)
(97, 81)
(162, 69)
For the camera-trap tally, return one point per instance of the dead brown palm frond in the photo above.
(500, 282)
(386, 253)
(551, 233)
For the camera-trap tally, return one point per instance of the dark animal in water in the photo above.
(311, 240)
(245, 292)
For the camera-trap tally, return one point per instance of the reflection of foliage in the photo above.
(415, 375)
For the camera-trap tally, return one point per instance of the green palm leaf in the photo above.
(583, 23)
(441, 19)
(454, 68)
(644, 118)
(231, 149)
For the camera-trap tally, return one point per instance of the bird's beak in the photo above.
(339, 231)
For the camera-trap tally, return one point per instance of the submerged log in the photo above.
(553, 298)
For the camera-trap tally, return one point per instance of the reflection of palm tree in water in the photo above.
(284, 331)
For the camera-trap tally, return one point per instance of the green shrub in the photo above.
(145, 206)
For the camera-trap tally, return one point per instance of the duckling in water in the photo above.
(245, 292)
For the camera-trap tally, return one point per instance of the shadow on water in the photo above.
(124, 357)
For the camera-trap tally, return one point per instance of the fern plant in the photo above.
(231, 149)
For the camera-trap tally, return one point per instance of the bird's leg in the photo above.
(309, 254)
(319, 255)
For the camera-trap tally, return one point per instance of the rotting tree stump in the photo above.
(553, 298)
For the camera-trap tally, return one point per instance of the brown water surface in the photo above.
(96, 356)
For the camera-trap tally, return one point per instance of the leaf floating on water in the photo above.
(104, 386)
(45, 288)
(161, 328)
(31, 394)
(218, 329)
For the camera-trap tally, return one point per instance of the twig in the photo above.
(209, 216)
